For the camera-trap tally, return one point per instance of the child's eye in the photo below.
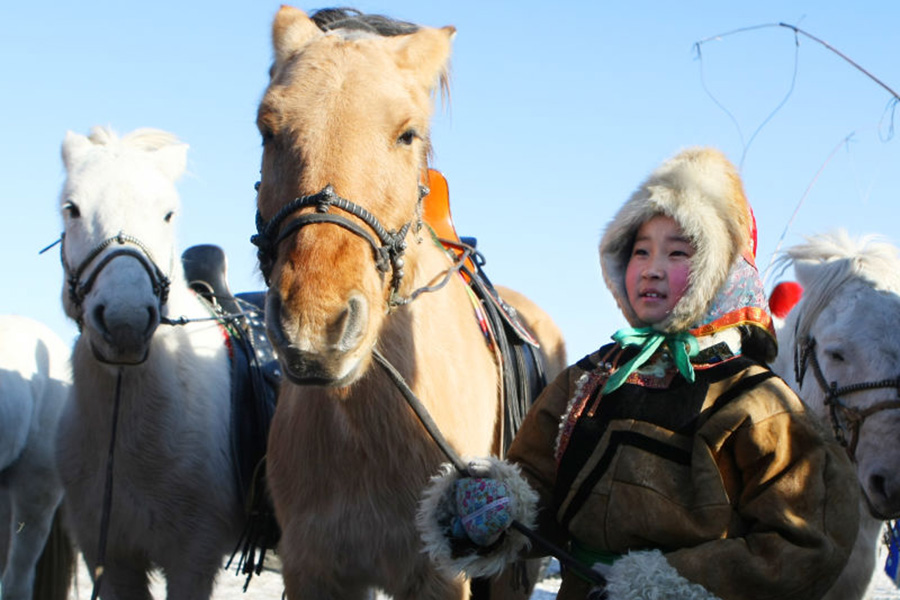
(639, 252)
(681, 251)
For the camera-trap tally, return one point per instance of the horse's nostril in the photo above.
(353, 322)
(877, 486)
(293, 359)
(152, 320)
(99, 314)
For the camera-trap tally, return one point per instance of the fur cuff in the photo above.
(438, 507)
(647, 575)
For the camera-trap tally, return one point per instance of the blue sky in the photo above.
(556, 115)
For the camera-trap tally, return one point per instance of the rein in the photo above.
(388, 247)
(805, 355)
(388, 255)
(431, 427)
(107, 492)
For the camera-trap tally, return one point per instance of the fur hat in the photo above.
(701, 190)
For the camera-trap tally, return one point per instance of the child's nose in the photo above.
(654, 270)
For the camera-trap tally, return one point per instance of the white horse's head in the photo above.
(119, 206)
(843, 341)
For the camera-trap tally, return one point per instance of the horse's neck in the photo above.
(183, 301)
(435, 342)
(864, 560)
(783, 365)
(428, 263)
(870, 528)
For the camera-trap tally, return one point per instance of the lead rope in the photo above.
(431, 427)
(107, 492)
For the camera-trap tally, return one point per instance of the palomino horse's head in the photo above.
(118, 205)
(847, 353)
(344, 122)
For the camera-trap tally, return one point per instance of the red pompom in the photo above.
(783, 298)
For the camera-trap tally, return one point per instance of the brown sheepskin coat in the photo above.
(728, 478)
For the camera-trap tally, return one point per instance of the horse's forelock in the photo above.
(830, 260)
(819, 292)
(350, 22)
(103, 136)
(144, 139)
(150, 139)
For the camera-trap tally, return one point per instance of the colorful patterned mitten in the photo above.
(483, 510)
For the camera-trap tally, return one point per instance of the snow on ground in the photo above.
(268, 586)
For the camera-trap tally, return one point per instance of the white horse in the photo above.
(839, 349)
(34, 384)
(165, 390)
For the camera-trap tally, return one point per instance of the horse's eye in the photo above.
(835, 355)
(169, 215)
(266, 134)
(71, 208)
(406, 138)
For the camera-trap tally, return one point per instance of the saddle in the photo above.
(522, 366)
(255, 377)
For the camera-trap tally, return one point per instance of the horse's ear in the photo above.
(426, 52)
(172, 160)
(291, 30)
(74, 146)
(805, 270)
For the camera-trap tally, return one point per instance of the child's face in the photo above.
(657, 273)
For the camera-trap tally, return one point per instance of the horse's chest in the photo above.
(157, 456)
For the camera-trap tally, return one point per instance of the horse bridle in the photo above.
(805, 355)
(128, 246)
(387, 255)
(387, 249)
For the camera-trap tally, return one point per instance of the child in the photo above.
(672, 461)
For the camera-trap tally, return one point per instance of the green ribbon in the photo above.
(682, 345)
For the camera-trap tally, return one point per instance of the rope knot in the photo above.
(325, 199)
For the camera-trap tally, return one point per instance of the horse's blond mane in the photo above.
(839, 258)
(145, 138)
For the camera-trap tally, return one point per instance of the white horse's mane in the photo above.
(838, 258)
(145, 138)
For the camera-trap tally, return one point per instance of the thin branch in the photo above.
(809, 188)
(842, 55)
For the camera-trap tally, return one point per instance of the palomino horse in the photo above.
(161, 393)
(345, 123)
(34, 385)
(839, 349)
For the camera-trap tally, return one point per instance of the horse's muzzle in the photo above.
(327, 364)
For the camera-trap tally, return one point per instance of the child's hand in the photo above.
(465, 518)
(483, 509)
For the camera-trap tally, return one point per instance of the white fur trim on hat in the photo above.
(647, 575)
(438, 507)
(701, 190)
